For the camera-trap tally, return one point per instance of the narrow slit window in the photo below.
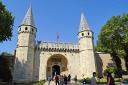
(88, 33)
(82, 34)
(26, 28)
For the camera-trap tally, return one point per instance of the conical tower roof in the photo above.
(83, 23)
(28, 19)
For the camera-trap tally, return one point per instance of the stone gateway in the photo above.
(36, 61)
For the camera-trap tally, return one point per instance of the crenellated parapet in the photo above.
(29, 32)
(57, 46)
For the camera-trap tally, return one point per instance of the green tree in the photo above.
(117, 72)
(6, 23)
(5, 71)
(6, 54)
(113, 39)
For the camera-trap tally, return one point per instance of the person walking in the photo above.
(75, 79)
(61, 80)
(49, 80)
(93, 79)
(69, 78)
(110, 79)
(65, 80)
(56, 80)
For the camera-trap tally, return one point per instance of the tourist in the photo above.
(61, 79)
(56, 79)
(65, 80)
(93, 79)
(113, 75)
(49, 80)
(75, 79)
(110, 79)
(69, 78)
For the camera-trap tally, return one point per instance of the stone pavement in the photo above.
(53, 83)
(72, 83)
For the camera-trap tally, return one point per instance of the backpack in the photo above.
(56, 78)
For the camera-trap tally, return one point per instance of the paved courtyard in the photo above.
(73, 83)
(53, 83)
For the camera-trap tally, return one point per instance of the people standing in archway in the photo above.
(56, 79)
(93, 79)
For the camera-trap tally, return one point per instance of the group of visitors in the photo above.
(60, 79)
(110, 79)
(64, 80)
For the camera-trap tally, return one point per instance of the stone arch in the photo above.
(56, 60)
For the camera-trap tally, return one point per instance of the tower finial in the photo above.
(28, 19)
(83, 23)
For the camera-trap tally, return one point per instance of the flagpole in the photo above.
(57, 37)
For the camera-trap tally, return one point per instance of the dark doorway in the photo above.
(55, 70)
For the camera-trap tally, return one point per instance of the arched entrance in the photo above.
(56, 64)
(55, 70)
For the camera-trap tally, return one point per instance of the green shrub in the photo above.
(88, 80)
(116, 71)
(40, 83)
(102, 81)
(124, 72)
(117, 79)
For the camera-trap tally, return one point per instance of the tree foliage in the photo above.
(5, 71)
(116, 71)
(113, 37)
(6, 54)
(6, 23)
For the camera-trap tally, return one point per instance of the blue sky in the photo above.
(63, 17)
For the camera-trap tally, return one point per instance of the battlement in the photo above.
(57, 46)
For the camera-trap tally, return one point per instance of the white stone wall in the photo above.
(26, 37)
(87, 58)
(88, 63)
(36, 65)
(23, 68)
(19, 70)
(42, 57)
(103, 60)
